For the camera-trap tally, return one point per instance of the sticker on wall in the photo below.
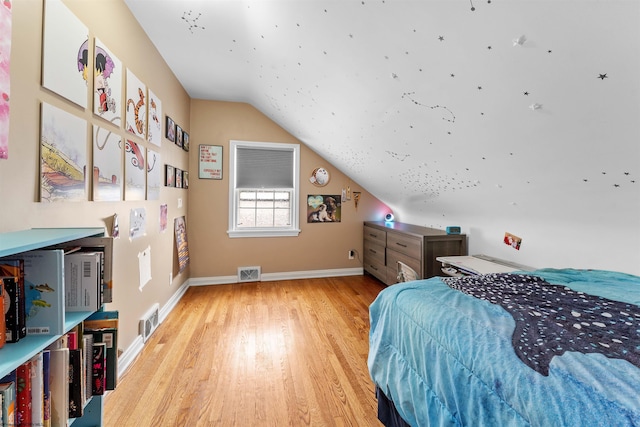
(323, 208)
(512, 240)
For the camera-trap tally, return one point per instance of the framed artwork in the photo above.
(169, 176)
(107, 85)
(185, 179)
(134, 171)
(65, 53)
(324, 208)
(182, 246)
(154, 132)
(5, 83)
(185, 141)
(178, 136)
(136, 107)
(154, 175)
(63, 156)
(170, 129)
(210, 162)
(107, 165)
(178, 178)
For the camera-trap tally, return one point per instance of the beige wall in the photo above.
(318, 247)
(19, 175)
(205, 204)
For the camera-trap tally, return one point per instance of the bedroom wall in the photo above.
(215, 256)
(19, 175)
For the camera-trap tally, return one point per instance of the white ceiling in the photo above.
(430, 104)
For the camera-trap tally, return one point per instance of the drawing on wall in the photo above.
(181, 242)
(136, 106)
(134, 171)
(324, 208)
(63, 155)
(154, 175)
(5, 55)
(163, 217)
(107, 165)
(155, 120)
(137, 223)
(107, 84)
(65, 56)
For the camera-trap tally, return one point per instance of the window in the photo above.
(263, 189)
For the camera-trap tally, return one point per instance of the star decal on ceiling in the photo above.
(603, 76)
(441, 38)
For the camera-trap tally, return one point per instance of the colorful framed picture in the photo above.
(178, 136)
(324, 208)
(185, 179)
(170, 129)
(185, 141)
(169, 176)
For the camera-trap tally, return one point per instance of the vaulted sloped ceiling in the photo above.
(438, 107)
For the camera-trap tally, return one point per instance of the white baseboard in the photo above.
(286, 275)
(129, 355)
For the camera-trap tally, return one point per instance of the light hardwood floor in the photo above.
(285, 353)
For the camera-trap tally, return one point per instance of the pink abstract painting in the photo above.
(5, 55)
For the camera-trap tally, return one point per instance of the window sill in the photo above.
(263, 233)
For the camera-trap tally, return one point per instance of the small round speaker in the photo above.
(388, 217)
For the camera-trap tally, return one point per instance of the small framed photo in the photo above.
(185, 179)
(169, 176)
(178, 136)
(178, 178)
(185, 141)
(171, 129)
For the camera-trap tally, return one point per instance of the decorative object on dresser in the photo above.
(386, 243)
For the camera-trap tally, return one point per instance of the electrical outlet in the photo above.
(352, 254)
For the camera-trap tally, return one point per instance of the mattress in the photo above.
(448, 352)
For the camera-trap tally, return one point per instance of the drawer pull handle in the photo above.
(400, 244)
(372, 251)
(373, 235)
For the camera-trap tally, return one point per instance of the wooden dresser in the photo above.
(386, 243)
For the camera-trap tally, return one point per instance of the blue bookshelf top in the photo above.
(27, 240)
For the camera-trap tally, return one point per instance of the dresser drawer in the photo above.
(376, 269)
(374, 252)
(375, 235)
(406, 244)
(392, 265)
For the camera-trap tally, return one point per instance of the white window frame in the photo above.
(294, 228)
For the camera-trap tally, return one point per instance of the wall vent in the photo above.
(149, 323)
(248, 274)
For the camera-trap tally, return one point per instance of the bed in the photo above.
(551, 347)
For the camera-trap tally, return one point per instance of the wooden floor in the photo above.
(256, 354)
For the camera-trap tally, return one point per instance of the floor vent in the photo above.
(248, 274)
(149, 323)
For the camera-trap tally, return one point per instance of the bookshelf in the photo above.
(14, 354)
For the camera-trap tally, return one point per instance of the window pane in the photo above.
(264, 218)
(282, 218)
(246, 218)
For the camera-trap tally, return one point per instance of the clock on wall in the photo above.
(319, 177)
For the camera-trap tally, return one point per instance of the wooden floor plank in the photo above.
(290, 352)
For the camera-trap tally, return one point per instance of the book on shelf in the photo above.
(87, 365)
(104, 245)
(11, 313)
(44, 291)
(76, 383)
(99, 369)
(37, 389)
(15, 268)
(3, 326)
(83, 282)
(46, 393)
(8, 393)
(59, 386)
(103, 325)
(23, 395)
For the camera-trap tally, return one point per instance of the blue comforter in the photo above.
(446, 358)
